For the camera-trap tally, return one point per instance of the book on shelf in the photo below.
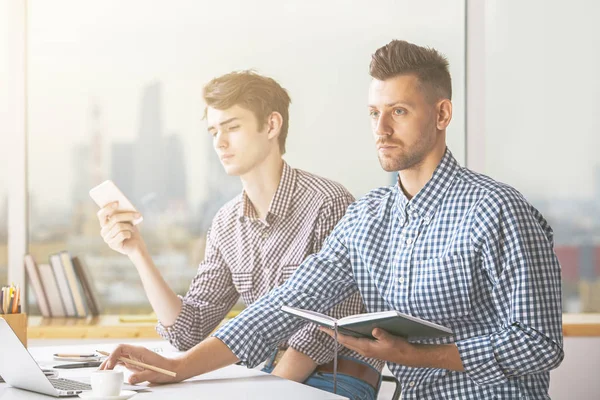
(38, 287)
(89, 290)
(361, 325)
(52, 291)
(74, 284)
(63, 285)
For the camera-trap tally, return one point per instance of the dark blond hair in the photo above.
(400, 57)
(257, 93)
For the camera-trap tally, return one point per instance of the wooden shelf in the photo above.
(128, 327)
(101, 327)
(582, 325)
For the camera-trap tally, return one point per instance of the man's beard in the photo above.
(408, 157)
(404, 160)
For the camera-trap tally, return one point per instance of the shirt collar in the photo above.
(427, 200)
(281, 200)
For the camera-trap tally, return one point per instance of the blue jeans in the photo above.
(348, 386)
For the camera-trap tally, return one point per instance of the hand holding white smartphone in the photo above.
(107, 192)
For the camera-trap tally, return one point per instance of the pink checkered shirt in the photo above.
(246, 257)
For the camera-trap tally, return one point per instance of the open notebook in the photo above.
(361, 325)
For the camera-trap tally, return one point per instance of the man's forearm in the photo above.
(206, 356)
(164, 301)
(444, 356)
(295, 366)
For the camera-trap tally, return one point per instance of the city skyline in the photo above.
(73, 60)
(150, 169)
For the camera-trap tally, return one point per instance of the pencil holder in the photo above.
(18, 323)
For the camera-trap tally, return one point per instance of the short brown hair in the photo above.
(400, 57)
(257, 93)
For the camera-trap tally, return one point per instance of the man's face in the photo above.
(239, 143)
(403, 122)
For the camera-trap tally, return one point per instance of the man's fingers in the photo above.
(142, 376)
(105, 212)
(103, 365)
(131, 367)
(329, 331)
(380, 334)
(342, 339)
(119, 239)
(326, 330)
(120, 227)
(122, 217)
(360, 345)
(122, 350)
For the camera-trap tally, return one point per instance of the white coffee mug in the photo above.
(107, 382)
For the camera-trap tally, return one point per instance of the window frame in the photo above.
(16, 126)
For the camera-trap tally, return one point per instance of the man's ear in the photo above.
(274, 124)
(444, 114)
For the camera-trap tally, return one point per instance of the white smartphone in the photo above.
(107, 192)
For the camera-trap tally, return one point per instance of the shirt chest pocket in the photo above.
(253, 284)
(441, 289)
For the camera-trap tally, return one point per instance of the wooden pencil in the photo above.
(140, 364)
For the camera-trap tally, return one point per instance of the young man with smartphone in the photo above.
(444, 244)
(257, 240)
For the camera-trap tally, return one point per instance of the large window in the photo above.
(115, 92)
(543, 127)
(3, 148)
(3, 213)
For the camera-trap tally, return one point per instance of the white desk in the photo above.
(233, 382)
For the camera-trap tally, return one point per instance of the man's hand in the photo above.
(118, 230)
(388, 347)
(146, 356)
(385, 347)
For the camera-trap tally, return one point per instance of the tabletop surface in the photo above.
(233, 382)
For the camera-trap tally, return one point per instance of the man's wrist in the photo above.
(139, 255)
(180, 367)
(444, 356)
(410, 356)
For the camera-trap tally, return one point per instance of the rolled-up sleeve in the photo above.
(516, 248)
(210, 297)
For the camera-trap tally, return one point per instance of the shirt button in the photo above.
(411, 383)
(265, 235)
(409, 241)
(426, 220)
(401, 280)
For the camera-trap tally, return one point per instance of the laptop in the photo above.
(20, 370)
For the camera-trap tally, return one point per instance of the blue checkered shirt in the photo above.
(466, 252)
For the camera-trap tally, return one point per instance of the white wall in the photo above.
(542, 97)
(578, 377)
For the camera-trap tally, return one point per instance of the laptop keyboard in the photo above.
(67, 384)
